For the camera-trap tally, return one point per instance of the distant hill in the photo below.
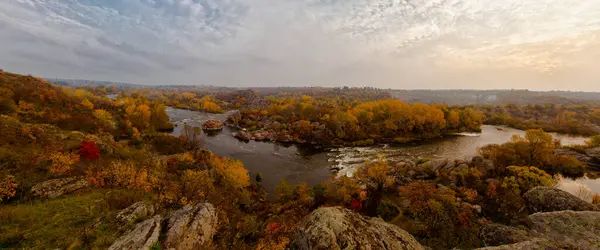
(449, 97)
(494, 97)
(93, 83)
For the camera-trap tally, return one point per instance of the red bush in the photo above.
(356, 204)
(89, 150)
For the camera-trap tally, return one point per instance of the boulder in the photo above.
(545, 199)
(477, 209)
(462, 166)
(191, 227)
(243, 135)
(57, 187)
(593, 152)
(497, 234)
(212, 125)
(143, 236)
(580, 229)
(436, 164)
(594, 155)
(339, 228)
(136, 211)
(481, 163)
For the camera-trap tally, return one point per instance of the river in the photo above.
(299, 164)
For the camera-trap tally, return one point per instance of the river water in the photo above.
(299, 164)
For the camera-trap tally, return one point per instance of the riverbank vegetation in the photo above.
(70, 160)
(338, 121)
(578, 119)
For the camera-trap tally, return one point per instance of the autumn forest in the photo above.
(74, 158)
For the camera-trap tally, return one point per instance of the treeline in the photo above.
(580, 119)
(341, 120)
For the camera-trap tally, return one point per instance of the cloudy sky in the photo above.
(480, 44)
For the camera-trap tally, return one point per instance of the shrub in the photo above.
(568, 166)
(258, 177)
(447, 223)
(596, 199)
(8, 188)
(89, 150)
(593, 142)
(284, 191)
(521, 179)
(7, 106)
(62, 163)
(167, 144)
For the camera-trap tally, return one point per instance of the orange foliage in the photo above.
(8, 188)
(62, 163)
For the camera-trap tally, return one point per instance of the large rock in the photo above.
(545, 199)
(339, 228)
(191, 227)
(534, 244)
(136, 211)
(212, 125)
(436, 164)
(580, 229)
(243, 135)
(498, 234)
(143, 236)
(549, 230)
(57, 187)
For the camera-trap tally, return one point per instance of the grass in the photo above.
(71, 222)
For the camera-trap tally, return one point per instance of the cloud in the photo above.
(536, 44)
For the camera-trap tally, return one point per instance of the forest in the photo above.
(72, 159)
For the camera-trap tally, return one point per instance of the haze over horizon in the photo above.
(398, 44)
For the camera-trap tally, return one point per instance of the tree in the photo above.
(284, 191)
(105, 118)
(159, 120)
(87, 104)
(193, 137)
(230, 173)
(453, 121)
(375, 176)
(197, 185)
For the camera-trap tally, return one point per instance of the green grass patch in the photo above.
(70, 222)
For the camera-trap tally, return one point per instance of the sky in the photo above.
(399, 44)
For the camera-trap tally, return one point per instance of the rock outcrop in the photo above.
(143, 236)
(256, 136)
(191, 227)
(580, 229)
(136, 211)
(544, 199)
(212, 125)
(590, 157)
(497, 234)
(534, 244)
(339, 228)
(548, 230)
(57, 187)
